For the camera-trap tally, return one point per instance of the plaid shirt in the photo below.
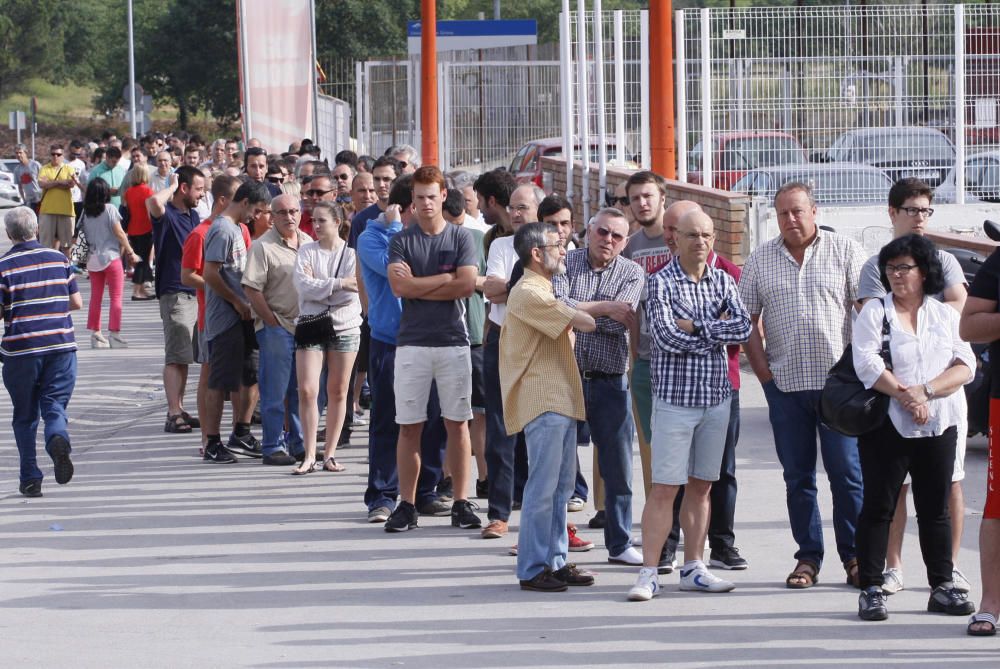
(606, 349)
(806, 310)
(693, 370)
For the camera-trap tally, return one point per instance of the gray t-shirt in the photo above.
(100, 232)
(433, 322)
(26, 176)
(652, 254)
(224, 244)
(870, 284)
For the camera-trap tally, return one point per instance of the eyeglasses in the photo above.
(276, 179)
(403, 164)
(521, 208)
(342, 177)
(549, 246)
(316, 192)
(918, 211)
(901, 270)
(57, 153)
(617, 237)
(612, 200)
(285, 212)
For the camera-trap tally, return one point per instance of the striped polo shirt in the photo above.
(35, 285)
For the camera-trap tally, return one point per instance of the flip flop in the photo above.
(315, 467)
(987, 618)
(331, 465)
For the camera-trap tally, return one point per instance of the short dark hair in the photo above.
(646, 177)
(454, 203)
(346, 157)
(923, 252)
(112, 152)
(553, 204)
(498, 184)
(253, 192)
(904, 189)
(253, 151)
(402, 191)
(320, 168)
(366, 163)
(224, 185)
(384, 161)
(186, 174)
(531, 236)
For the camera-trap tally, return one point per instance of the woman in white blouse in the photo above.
(930, 364)
(325, 281)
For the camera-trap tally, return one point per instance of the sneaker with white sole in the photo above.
(892, 580)
(695, 577)
(960, 582)
(646, 586)
(575, 504)
(629, 556)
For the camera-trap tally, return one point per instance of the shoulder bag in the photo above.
(317, 329)
(845, 404)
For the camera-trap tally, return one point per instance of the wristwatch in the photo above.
(696, 326)
(929, 391)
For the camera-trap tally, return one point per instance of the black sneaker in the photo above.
(344, 440)
(483, 489)
(463, 515)
(59, 449)
(947, 599)
(247, 445)
(279, 459)
(598, 521)
(402, 519)
(544, 582)
(446, 489)
(571, 575)
(871, 604)
(218, 454)
(668, 561)
(728, 558)
(436, 507)
(31, 488)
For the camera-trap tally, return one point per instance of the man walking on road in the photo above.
(37, 291)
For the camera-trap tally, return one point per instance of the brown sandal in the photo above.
(805, 575)
(853, 573)
(331, 465)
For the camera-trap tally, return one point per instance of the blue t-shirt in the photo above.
(35, 285)
(360, 222)
(169, 233)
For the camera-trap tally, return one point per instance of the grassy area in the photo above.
(56, 103)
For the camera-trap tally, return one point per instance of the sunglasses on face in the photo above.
(275, 178)
(612, 200)
(57, 153)
(615, 236)
(316, 192)
(343, 177)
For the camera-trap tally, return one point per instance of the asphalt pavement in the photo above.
(152, 558)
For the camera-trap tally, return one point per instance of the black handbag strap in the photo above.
(885, 353)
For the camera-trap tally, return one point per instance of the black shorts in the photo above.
(478, 384)
(227, 356)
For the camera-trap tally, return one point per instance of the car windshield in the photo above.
(752, 152)
(894, 147)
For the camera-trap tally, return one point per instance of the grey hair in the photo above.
(537, 192)
(412, 157)
(610, 212)
(20, 147)
(21, 224)
(460, 179)
(531, 236)
(793, 186)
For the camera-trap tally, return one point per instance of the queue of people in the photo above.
(485, 329)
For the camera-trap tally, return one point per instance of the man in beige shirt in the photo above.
(267, 281)
(543, 396)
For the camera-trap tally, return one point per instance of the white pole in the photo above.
(442, 117)
(644, 88)
(247, 111)
(131, 71)
(370, 140)
(359, 108)
(584, 105)
(620, 88)
(602, 130)
(681, 88)
(330, 150)
(960, 104)
(566, 85)
(706, 100)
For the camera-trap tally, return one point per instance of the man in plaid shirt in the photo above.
(606, 285)
(693, 312)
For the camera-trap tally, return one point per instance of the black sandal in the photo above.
(176, 424)
(190, 420)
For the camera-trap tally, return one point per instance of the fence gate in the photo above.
(388, 105)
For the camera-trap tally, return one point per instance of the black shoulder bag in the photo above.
(317, 329)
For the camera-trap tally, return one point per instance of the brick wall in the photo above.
(730, 211)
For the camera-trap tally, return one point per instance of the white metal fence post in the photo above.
(359, 100)
(369, 141)
(620, 154)
(584, 106)
(442, 89)
(681, 87)
(706, 99)
(960, 104)
(566, 86)
(644, 87)
(602, 130)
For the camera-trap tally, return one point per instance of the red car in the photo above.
(736, 153)
(527, 163)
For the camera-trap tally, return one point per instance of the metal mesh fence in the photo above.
(847, 98)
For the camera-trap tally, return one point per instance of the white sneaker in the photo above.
(116, 340)
(694, 576)
(629, 556)
(961, 583)
(575, 504)
(892, 580)
(97, 340)
(646, 586)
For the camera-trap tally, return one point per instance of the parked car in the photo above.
(832, 183)
(736, 153)
(526, 165)
(8, 189)
(924, 153)
(982, 180)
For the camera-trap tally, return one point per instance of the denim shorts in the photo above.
(342, 342)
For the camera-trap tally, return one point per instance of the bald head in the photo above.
(284, 201)
(694, 238)
(672, 216)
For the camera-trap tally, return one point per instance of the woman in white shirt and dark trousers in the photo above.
(930, 364)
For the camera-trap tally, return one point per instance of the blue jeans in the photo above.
(609, 416)
(40, 387)
(794, 420)
(278, 385)
(506, 467)
(383, 433)
(542, 540)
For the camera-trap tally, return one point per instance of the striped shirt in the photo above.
(35, 285)
(692, 370)
(605, 349)
(806, 310)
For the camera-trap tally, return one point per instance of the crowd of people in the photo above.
(488, 325)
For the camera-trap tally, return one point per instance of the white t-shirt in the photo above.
(475, 224)
(500, 263)
(80, 168)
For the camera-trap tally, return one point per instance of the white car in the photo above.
(982, 180)
(9, 195)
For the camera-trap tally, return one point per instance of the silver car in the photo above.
(982, 180)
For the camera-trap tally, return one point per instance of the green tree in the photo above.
(30, 42)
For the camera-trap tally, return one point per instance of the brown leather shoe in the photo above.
(495, 530)
(571, 575)
(544, 582)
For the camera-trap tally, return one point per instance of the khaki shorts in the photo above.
(417, 367)
(52, 227)
(179, 313)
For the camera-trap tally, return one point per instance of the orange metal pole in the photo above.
(428, 83)
(661, 89)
